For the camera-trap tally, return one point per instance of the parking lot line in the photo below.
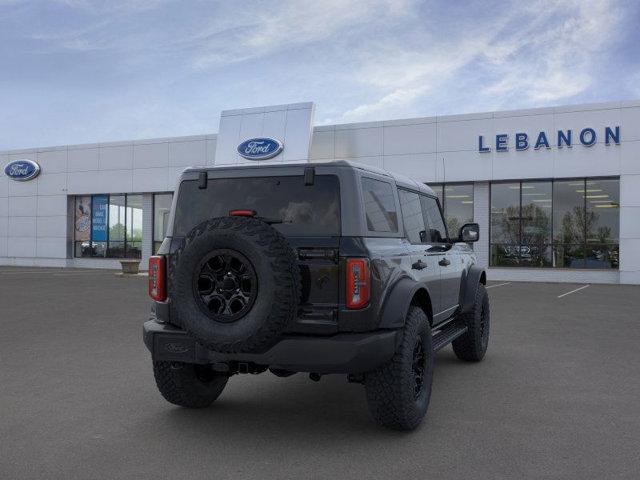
(573, 291)
(498, 285)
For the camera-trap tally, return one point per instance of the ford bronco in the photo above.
(329, 268)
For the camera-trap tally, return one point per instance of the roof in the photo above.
(400, 180)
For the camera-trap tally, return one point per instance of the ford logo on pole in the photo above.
(260, 148)
(22, 170)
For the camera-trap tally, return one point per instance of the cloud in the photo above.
(541, 53)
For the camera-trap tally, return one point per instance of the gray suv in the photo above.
(320, 268)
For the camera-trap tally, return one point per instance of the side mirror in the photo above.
(469, 233)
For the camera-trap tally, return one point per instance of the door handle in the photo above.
(419, 265)
(444, 262)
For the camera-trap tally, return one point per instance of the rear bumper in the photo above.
(341, 353)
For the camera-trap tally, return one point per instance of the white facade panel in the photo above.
(358, 142)
(118, 157)
(409, 139)
(187, 153)
(51, 205)
(22, 206)
(51, 247)
(151, 155)
(630, 157)
(419, 166)
(21, 246)
(52, 226)
(22, 227)
(52, 183)
(83, 159)
(53, 161)
(4, 226)
(322, 145)
(4, 206)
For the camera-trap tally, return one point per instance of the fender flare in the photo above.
(396, 305)
(474, 277)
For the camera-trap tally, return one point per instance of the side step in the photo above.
(447, 334)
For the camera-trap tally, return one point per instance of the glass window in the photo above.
(535, 244)
(161, 210)
(458, 206)
(117, 219)
(564, 224)
(568, 223)
(436, 230)
(82, 226)
(301, 210)
(412, 216)
(603, 223)
(380, 206)
(133, 248)
(108, 226)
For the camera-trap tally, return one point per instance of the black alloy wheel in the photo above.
(225, 285)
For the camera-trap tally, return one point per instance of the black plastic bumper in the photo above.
(342, 353)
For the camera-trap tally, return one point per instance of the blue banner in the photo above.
(99, 207)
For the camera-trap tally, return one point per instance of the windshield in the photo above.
(295, 208)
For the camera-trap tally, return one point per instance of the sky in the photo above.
(79, 71)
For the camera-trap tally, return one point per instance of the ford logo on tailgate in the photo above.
(260, 148)
(22, 170)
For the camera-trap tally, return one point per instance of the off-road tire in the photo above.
(390, 389)
(472, 345)
(187, 384)
(278, 283)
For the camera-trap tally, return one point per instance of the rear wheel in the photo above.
(398, 392)
(187, 384)
(472, 346)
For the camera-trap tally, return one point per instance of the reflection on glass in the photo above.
(134, 226)
(603, 211)
(535, 248)
(161, 209)
(412, 216)
(505, 213)
(458, 206)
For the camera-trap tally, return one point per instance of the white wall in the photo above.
(34, 223)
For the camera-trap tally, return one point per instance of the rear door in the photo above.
(437, 249)
(424, 266)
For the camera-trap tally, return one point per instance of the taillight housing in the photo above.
(158, 278)
(358, 283)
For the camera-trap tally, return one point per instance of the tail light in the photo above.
(358, 282)
(158, 278)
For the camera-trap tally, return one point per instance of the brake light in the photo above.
(158, 278)
(358, 282)
(242, 213)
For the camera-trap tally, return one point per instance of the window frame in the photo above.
(424, 221)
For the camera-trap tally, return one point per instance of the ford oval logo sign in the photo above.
(260, 148)
(22, 170)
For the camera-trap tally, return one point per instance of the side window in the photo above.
(436, 231)
(412, 216)
(380, 206)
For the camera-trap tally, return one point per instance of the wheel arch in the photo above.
(474, 277)
(404, 294)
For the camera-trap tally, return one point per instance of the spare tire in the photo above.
(235, 284)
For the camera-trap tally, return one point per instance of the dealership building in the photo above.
(556, 190)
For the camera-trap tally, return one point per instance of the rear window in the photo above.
(304, 210)
(379, 205)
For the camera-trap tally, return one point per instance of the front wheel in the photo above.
(188, 385)
(398, 392)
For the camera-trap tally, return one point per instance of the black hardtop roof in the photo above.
(400, 180)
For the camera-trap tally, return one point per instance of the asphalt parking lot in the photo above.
(558, 396)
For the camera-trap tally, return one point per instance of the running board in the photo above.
(447, 334)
